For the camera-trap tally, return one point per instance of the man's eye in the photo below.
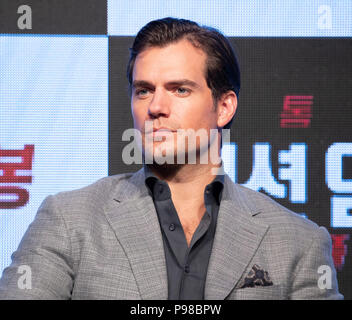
(182, 91)
(142, 92)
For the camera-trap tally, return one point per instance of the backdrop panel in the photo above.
(291, 137)
(54, 124)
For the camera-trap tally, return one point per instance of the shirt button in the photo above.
(207, 190)
(187, 268)
(172, 227)
(161, 188)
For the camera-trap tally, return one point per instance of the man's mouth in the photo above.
(162, 132)
(162, 129)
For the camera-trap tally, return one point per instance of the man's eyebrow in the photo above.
(180, 82)
(141, 83)
(183, 82)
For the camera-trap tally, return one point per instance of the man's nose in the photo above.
(159, 105)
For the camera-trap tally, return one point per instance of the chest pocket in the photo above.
(274, 292)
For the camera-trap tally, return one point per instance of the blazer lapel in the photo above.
(132, 216)
(237, 238)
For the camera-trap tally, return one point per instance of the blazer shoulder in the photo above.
(100, 189)
(298, 233)
(88, 201)
(273, 213)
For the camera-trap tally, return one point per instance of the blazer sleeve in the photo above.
(42, 266)
(315, 275)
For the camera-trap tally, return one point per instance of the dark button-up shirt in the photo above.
(186, 265)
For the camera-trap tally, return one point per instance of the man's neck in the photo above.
(187, 181)
(187, 184)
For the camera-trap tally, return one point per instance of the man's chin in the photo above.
(169, 157)
(165, 159)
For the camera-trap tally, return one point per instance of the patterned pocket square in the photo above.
(256, 277)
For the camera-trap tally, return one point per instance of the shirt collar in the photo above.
(216, 186)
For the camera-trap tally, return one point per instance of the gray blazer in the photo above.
(104, 242)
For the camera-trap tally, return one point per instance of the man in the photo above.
(173, 230)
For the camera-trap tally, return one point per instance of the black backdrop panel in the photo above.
(317, 70)
(85, 17)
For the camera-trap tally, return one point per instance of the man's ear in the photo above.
(226, 108)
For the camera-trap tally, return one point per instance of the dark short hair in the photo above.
(222, 70)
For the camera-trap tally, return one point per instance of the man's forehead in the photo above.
(174, 62)
(181, 44)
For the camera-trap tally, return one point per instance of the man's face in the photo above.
(170, 91)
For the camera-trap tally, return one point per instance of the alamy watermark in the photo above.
(166, 146)
(24, 282)
(25, 20)
(324, 17)
(325, 281)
